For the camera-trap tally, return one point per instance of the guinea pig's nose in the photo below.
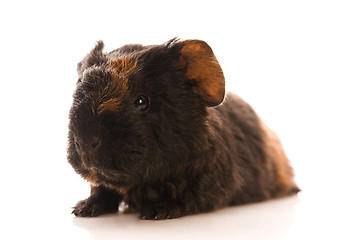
(95, 143)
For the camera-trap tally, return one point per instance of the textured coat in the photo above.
(153, 127)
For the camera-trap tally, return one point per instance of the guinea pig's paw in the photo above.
(93, 207)
(160, 212)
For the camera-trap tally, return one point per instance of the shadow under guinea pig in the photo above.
(254, 220)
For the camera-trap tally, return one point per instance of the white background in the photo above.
(297, 62)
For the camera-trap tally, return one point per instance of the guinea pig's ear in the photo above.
(203, 71)
(95, 56)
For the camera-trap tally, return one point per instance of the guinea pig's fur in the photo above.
(151, 126)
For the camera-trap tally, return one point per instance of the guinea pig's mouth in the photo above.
(102, 171)
(113, 176)
(108, 177)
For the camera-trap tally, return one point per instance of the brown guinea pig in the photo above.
(151, 126)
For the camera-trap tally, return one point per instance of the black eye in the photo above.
(141, 103)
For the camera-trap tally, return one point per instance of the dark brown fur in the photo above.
(150, 126)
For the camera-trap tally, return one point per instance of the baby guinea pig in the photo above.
(151, 126)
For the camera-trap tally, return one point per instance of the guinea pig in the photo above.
(153, 127)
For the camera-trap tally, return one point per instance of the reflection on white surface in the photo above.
(229, 223)
(297, 217)
(297, 63)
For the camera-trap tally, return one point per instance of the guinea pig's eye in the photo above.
(141, 103)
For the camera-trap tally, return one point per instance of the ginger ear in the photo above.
(203, 71)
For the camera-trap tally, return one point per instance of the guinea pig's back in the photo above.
(254, 150)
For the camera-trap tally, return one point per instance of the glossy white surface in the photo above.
(298, 64)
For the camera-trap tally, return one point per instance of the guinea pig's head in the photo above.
(140, 112)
